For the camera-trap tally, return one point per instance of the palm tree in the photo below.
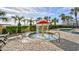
(30, 21)
(63, 17)
(74, 11)
(2, 13)
(15, 19)
(39, 18)
(68, 18)
(24, 20)
(46, 17)
(55, 20)
(18, 18)
(33, 21)
(4, 19)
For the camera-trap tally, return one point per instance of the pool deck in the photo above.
(68, 36)
(29, 45)
(69, 42)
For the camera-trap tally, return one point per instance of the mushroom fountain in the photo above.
(42, 31)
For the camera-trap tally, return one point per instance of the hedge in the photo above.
(19, 29)
(58, 26)
(15, 29)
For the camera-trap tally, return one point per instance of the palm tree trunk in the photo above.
(68, 22)
(76, 21)
(55, 24)
(30, 25)
(33, 22)
(63, 22)
(24, 23)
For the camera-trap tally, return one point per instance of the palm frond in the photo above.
(2, 13)
(5, 19)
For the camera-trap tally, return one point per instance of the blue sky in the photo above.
(35, 12)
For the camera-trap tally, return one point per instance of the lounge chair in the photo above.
(3, 40)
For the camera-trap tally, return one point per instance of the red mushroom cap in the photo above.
(42, 21)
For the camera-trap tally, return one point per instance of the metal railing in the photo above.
(58, 36)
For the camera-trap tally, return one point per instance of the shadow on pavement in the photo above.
(67, 45)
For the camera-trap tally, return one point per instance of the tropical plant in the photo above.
(24, 20)
(55, 20)
(39, 18)
(18, 18)
(74, 11)
(4, 19)
(63, 17)
(15, 19)
(30, 21)
(46, 17)
(68, 18)
(2, 13)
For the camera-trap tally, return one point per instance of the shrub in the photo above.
(24, 28)
(11, 29)
(33, 28)
(4, 31)
(19, 29)
(1, 27)
(58, 26)
(15, 29)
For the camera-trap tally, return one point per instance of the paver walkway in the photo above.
(25, 45)
(69, 42)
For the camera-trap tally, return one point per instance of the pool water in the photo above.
(75, 32)
(66, 30)
(69, 30)
(47, 36)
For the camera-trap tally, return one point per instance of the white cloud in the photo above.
(28, 11)
(10, 10)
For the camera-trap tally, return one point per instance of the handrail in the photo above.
(58, 35)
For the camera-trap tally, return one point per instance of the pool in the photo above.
(47, 36)
(66, 29)
(75, 33)
(69, 31)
